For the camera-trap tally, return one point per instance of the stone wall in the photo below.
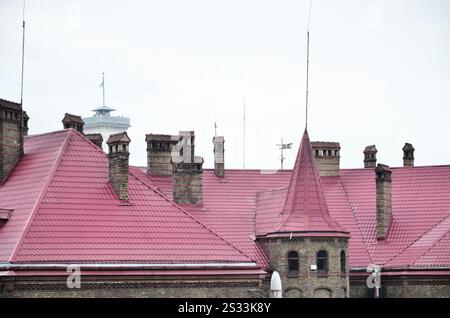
(309, 283)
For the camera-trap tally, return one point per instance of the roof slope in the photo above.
(420, 208)
(229, 204)
(80, 219)
(26, 185)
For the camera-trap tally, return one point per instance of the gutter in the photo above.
(404, 268)
(99, 266)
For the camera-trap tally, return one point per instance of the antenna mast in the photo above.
(215, 118)
(23, 59)
(307, 65)
(243, 150)
(103, 86)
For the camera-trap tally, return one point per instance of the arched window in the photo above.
(343, 263)
(292, 264)
(322, 262)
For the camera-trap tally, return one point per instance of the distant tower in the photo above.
(103, 123)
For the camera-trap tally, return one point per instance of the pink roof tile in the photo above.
(65, 211)
(420, 202)
(73, 214)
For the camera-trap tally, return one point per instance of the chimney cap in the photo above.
(5, 214)
(382, 168)
(186, 133)
(160, 137)
(218, 139)
(120, 138)
(70, 118)
(198, 159)
(10, 105)
(408, 146)
(370, 148)
(326, 144)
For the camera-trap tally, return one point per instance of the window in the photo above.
(343, 263)
(322, 263)
(292, 264)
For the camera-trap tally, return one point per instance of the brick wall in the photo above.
(309, 283)
(187, 184)
(133, 287)
(403, 287)
(11, 141)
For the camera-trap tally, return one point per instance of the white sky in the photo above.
(379, 72)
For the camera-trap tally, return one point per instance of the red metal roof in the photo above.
(420, 204)
(65, 210)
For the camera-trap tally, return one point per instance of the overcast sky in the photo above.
(379, 72)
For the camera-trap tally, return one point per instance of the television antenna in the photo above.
(283, 147)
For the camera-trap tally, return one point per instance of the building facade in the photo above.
(77, 221)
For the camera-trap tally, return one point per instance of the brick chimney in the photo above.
(159, 154)
(96, 139)
(219, 156)
(187, 172)
(384, 200)
(118, 145)
(73, 121)
(370, 156)
(11, 137)
(408, 155)
(327, 155)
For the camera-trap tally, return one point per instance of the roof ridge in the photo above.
(157, 191)
(433, 227)
(41, 195)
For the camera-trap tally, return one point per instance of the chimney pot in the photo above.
(96, 139)
(187, 172)
(159, 154)
(383, 200)
(370, 156)
(327, 155)
(73, 121)
(408, 155)
(118, 156)
(219, 156)
(11, 137)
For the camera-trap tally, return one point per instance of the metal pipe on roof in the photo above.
(49, 266)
